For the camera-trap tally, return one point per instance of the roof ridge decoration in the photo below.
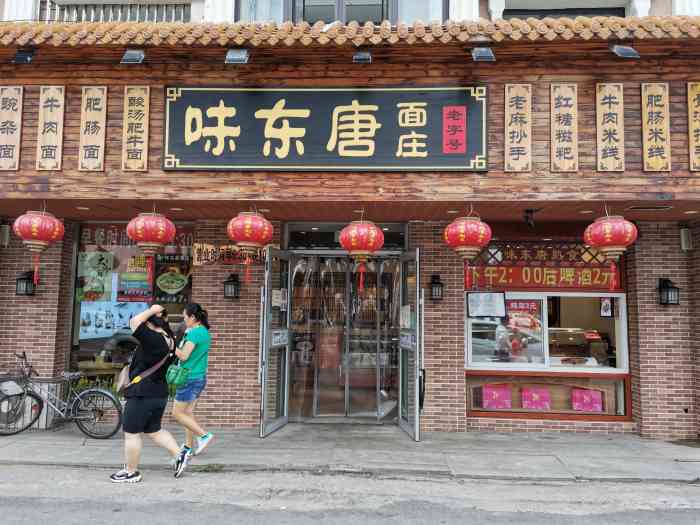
(18, 34)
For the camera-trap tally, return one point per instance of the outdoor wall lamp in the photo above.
(436, 288)
(237, 56)
(624, 51)
(669, 294)
(232, 287)
(25, 284)
(133, 56)
(23, 56)
(483, 54)
(362, 57)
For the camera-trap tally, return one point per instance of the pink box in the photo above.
(497, 397)
(536, 398)
(585, 400)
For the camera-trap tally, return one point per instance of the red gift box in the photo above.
(536, 398)
(585, 400)
(497, 397)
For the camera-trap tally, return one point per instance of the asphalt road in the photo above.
(60, 495)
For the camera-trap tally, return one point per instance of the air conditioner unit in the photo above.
(686, 240)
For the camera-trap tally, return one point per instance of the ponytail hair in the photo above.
(200, 314)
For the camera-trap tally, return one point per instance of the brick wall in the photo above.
(662, 349)
(694, 296)
(445, 399)
(232, 396)
(30, 323)
(485, 424)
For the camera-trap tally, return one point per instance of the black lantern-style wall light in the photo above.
(436, 288)
(25, 284)
(669, 294)
(232, 287)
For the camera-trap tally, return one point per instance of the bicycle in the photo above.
(97, 412)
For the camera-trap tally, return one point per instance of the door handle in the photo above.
(421, 393)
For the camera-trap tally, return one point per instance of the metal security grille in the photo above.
(50, 11)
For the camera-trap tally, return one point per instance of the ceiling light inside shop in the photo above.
(264, 210)
(314, 229)
(660, 207)
(177, 209)
(691, 212)
(82, 208)
(586, 212)
(453, 212)
(547, 240)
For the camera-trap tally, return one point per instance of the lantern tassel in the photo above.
(36, 269)
(247, 262)
(613, 276)
(467, 276)
(361, 270)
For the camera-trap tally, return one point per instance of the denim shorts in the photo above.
(191, 390)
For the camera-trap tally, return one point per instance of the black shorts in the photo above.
(144, 414)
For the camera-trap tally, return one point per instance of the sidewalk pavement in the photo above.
(387, 451)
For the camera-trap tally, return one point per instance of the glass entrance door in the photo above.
(344, 359)
(275, 343)
(410, 354)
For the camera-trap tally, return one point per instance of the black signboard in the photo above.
(410, 129)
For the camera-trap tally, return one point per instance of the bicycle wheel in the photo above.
(97, 413)
(18, 412)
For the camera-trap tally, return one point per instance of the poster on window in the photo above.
(100, 319)
(94, 276)
(136, 283)
(486, 304)
(173, 281)
(524, 314)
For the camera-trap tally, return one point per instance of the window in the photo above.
(116, 11)
(358, 10)
(568, 13)
(426, 11)
(114, 282)
(575, 331)
(260, 10)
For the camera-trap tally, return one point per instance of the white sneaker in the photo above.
(202, 443)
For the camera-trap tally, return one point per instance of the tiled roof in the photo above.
(288, 34)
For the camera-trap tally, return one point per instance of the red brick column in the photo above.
(445, 400)
(694, 296)
(39, 324)
(662, 349)
(232, 396)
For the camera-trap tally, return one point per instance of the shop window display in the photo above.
(582, 332)
(114, 282)
(567, 353)
(563, 395)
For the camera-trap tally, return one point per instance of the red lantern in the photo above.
(251, 232)
(150, 232)
(611, 235)
(38, 230)
(361, 239)
(467, 236)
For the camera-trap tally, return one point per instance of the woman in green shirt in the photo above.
(193, 352)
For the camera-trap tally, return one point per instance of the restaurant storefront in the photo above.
(535, 332)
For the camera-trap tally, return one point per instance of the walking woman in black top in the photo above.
(147, 399)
